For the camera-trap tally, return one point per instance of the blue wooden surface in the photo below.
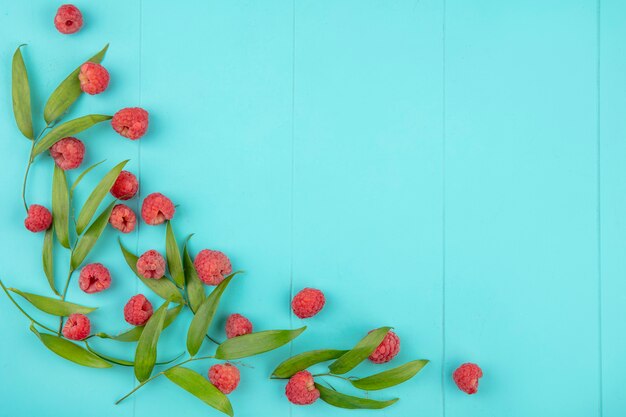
(452, 168)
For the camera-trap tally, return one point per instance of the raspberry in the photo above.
(68, 153)
(77, 327)
(237, 325)
(308, 303)
(151, 265)
(138, 310)
(212, 266)
(94, 278)
(301, 389)
(466, 377)
(68, 19)
(225, 377)
(38, 218)
(157, 208)
(123, 218)
(387, 350)
(131, 122)
(125, 186)
(94, 78)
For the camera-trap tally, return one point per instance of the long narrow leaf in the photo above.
(66, 129)
(96, 197)
(68, 91)
(195, 289)
(302, 361)
(91, 236)
(391, 377)
(146, 353)
(47, 257)
(52, 305)
(70, 351)
(21, 96)
(204, 316)
(255, 343)
(340, 400)
(200, 387)
(172, 252)
(360, 352)
(82, 175)
(61, 206)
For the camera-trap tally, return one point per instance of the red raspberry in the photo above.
(151, 265)
(387, 350)
(138, 310)
(466, 377)
(131, 122)
(38, 218)
(125, 186)
(123, 218)
(225, 377)
(301, 389)
(68, 19)
(212, 266)
(77, 327)
(94, 78)
(68, 153)
(157, 208)
(308, 303)
(94, 278)
(237, 325)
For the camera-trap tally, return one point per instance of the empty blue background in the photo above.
(453, 168)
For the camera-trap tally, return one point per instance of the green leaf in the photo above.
(133, 334)
(204, 316)
(163, 287)
(66, 129)
(21, 96)
(60, 206)
(174, 263)
(48, 258)
(255, 343)
(360, 352)
(303, 360)
(391, 377)
(68, 91)
(82, 175)
(146, 354)
(195, 289)
(70, 351)
(52, 305)
(96, 197)
(91, 236)
(200, 387)
(340, 400)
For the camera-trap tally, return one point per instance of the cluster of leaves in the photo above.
(343, 362)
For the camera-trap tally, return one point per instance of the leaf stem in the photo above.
(213, 340)
(159, 374)
(22, 310)
(333, 375)
(67, 284)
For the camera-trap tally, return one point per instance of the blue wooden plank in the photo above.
(613, 203)
(521, 203)
(367, 219)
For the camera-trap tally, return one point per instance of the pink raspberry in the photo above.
(68, 19)
(237, 325)
(125, 186)
(94, 278)
(38, 218)
(157, 208)
(212, 266)
(387, 350)
(77, 327)
(68, 153)
(94, 78)
(466, 377)
(138, 310)
(151, 265)
(123, 218)
(308, 303)
(131, 122)
(301, 389)
(225, 377)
